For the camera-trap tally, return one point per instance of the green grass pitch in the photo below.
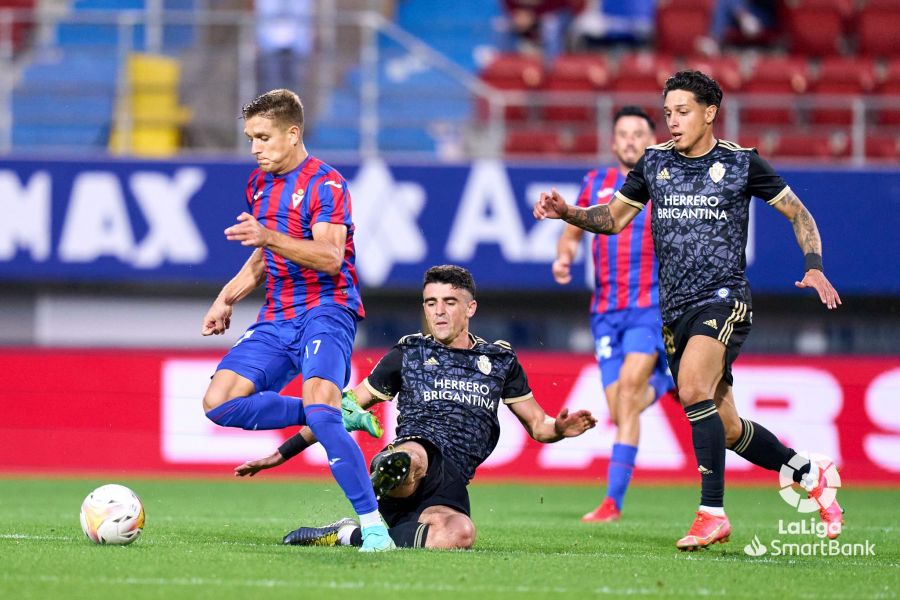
(218, 538)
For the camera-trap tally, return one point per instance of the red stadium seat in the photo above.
(775, 75)
(815, 27)
(643, 72)
(21, 28)
(513, 71)
(726, 70)
(798, 144)
(517, 72)
(886, 147)
(888, 91)
(877, 27)
(585, 143)
(841, 77)
(576, 73)
(750, 140)
(533, 141)
(679, 23)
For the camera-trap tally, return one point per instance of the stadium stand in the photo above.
(826, 36)
(679, 23)
(826, 57)
(877, 26)
(66, 96)
(841, 76)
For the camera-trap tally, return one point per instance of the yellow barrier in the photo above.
(151, 102)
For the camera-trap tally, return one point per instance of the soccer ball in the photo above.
(112, 514)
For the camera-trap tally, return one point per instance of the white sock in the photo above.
(370, 519)
(345, 532)
(718, 511)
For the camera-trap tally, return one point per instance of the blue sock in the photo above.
(262, 410)
(618, 475)
(344, 457)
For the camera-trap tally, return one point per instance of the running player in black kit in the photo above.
(701, 189)
(449, 386)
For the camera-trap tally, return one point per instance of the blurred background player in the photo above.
(302, 231)
(285, 39)
(701, 188)
(449, 386)
(625, 319)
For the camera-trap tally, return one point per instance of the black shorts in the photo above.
(443, 485)
(728, 322)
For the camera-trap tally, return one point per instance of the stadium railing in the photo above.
(377, 90)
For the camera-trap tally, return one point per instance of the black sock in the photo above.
(405, 535)
(708, 436)
(409, 535)
(760, 446)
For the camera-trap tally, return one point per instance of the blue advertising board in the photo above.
(140, 221)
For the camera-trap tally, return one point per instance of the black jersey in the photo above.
(450, 396)
(701, 212)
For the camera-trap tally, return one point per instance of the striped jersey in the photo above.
(292, 203)
(625, 269)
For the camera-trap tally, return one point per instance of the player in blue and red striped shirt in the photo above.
(299, 222)
(625, 317)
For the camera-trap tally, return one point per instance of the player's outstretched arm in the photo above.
(293, 446)
(544, 428)
(299, 442)
(603, 218)
(810, 242)
(251, 275)
(252, 467)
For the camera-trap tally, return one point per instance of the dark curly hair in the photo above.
(282, 106)
(457, 277)
(704, 87)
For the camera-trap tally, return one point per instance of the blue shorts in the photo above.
(631, 330)
(315, 344)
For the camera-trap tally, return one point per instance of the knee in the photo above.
(213, 399)
(321, 391)
(462, 533)
(455, 532)
(690, 393)
(631, 388)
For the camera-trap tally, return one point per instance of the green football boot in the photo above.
(357, 419)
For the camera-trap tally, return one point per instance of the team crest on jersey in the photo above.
(717, 172)
(297, 198)
(484, 364)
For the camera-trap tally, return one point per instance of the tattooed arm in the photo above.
(811, 243)
(604, 218)
(804, 225)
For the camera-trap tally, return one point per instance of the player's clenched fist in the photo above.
(217, 319)
(562, 270)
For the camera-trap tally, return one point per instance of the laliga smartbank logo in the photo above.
(819, 498)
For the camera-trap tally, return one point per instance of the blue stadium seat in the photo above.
(66, 97)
